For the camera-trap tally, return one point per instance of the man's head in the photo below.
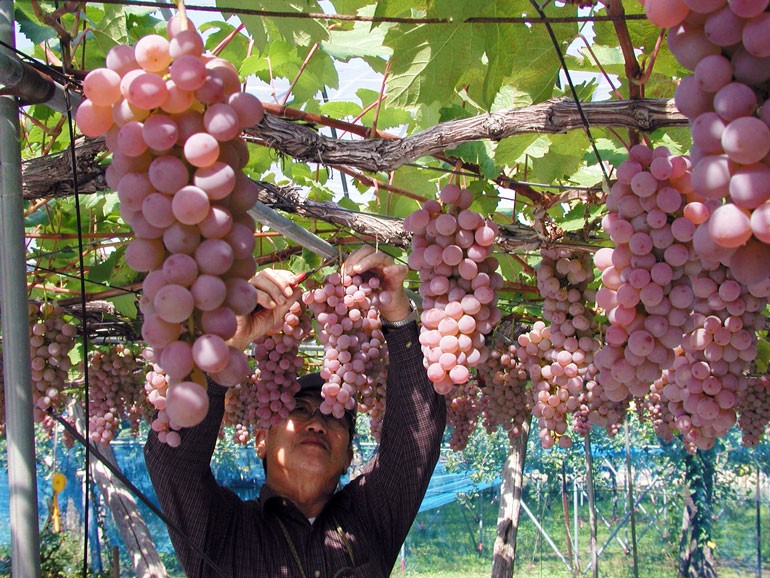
(307, 442)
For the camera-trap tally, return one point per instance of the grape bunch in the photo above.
(241, 403)
(598, 409)
(646, 290)
(172, 114)
(156, 391)
(726, 45)
(505, 399)
(51, 339)
(754, 410)
(349, 327)
(462, 413)
(451, 250)
(278, 359)
(372, 400)
(709, 374)
(655, 407)
(558, 356)
(115, 379)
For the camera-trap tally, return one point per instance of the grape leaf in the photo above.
(426, 65)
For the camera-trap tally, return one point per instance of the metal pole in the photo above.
(631, 504)
(591, 505)
(20, 433)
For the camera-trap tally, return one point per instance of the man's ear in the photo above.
(350, 459)
(260, 442)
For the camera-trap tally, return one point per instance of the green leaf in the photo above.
(427, 65)
(361, 41)
(510, 151)
(28, 24)
(303, 32)
(763, 355)
(510, 268)
(125, 305)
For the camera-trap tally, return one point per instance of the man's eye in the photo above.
(302, 411)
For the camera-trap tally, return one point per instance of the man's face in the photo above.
(307, 443)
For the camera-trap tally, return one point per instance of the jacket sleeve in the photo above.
(396, 479)
(188, 494)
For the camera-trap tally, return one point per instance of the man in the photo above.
(301, 525)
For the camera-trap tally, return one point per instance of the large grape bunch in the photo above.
(709, 374)
(115, 380)
(277, 356)
(505, 399)
(754, 410)
(172, 115)
(241, 404)
(51, 339)
(349, 327)
(646, 290)
(558, 356)
(727, 46)
(451, 250)
(462, 413)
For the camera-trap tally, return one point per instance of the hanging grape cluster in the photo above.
(726, 45)
(115, 382)
(349, 327)
(451, 250)
(278, 359)
(505, 399)
(51, 339)
(462, 413)
(558, 356)
(754, 410)
(241, 404)
(171, 115)
(646, 290)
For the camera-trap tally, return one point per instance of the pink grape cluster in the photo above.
(279, 361)
(172, 116)
(372, 400)
(115, 379)
(709, 373)
(451, 250)
(754, 410)
(655, 408)
(51, 339)
(156, 390)
(505, 399)
(597, 409)
(349, 327)
(241, 403)
(559, 370)
(462, 413)
(727, 46)
(646, 290)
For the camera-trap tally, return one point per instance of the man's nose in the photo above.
(317, 421)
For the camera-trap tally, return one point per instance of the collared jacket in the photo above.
(359, 532)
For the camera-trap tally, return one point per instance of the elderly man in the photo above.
(302, 525)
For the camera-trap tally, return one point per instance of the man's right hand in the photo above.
(275, 294)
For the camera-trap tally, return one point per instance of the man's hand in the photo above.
(391, 277)
(275, 294)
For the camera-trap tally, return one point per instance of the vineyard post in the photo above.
(591, 505)
(20, 435)
(758, 505)
(631, 504)
(510, 506)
